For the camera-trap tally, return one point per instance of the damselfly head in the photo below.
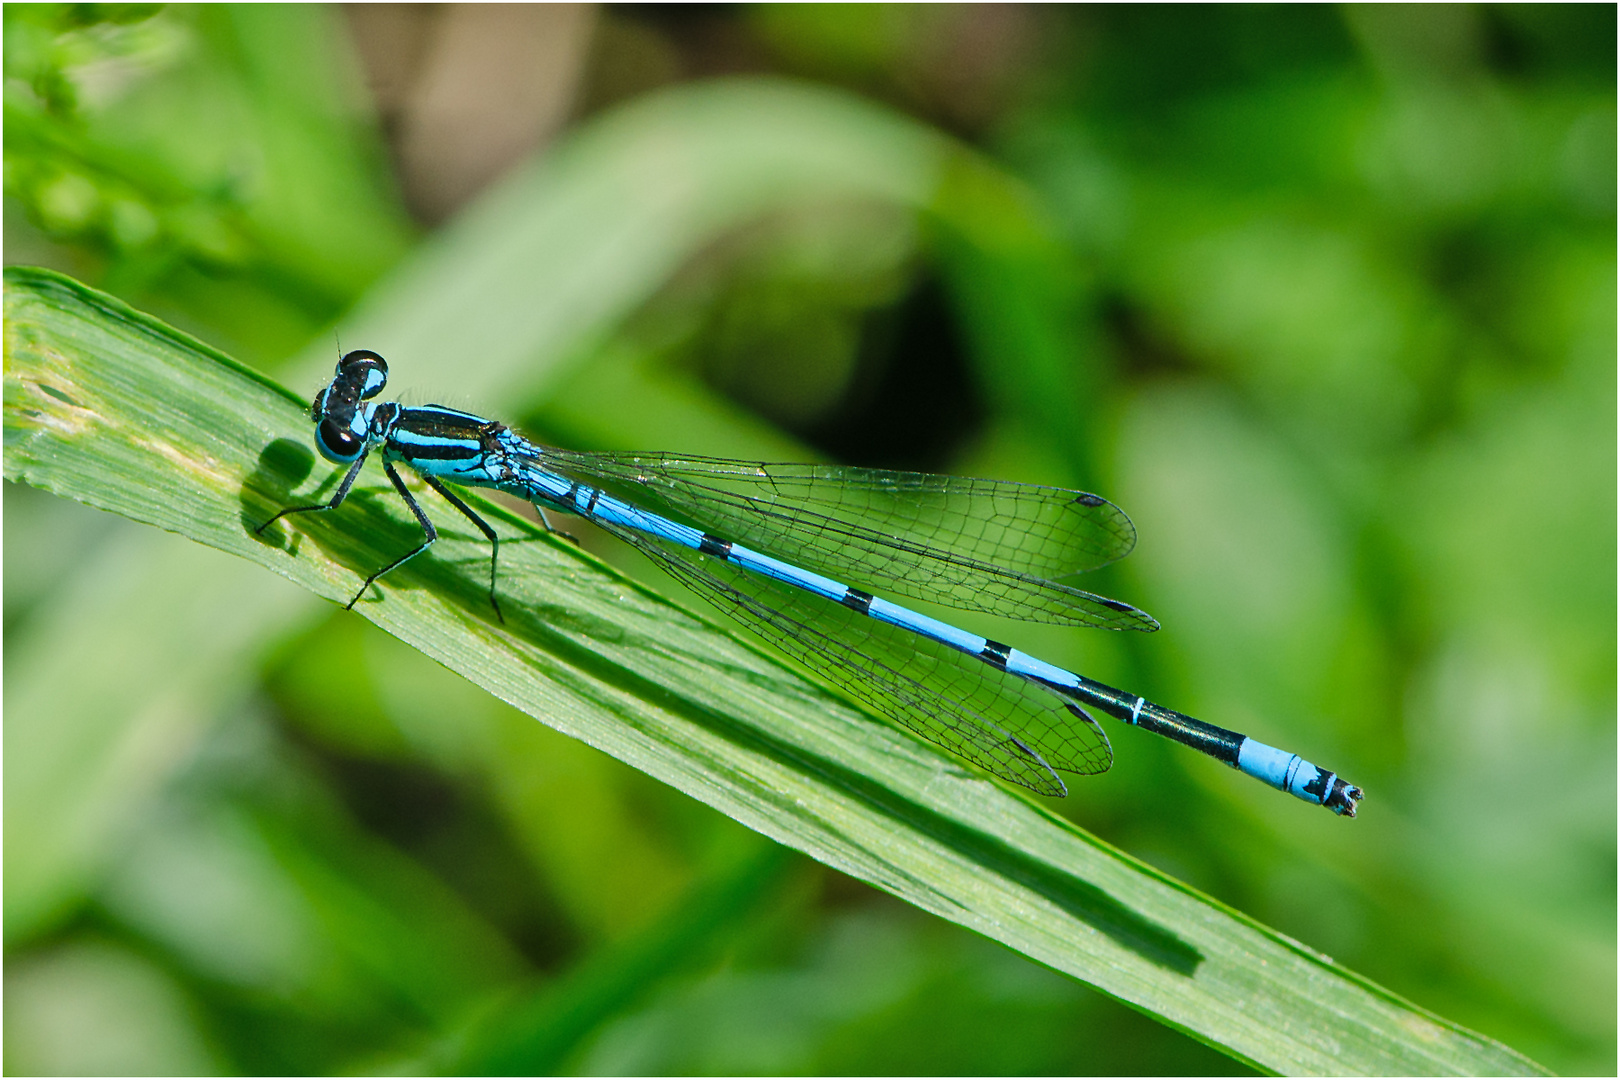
(340, 432)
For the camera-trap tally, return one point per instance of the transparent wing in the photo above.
(1004, 724)
(977, 545)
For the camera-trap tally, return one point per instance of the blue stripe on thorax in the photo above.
(412, 446)
(440, 442)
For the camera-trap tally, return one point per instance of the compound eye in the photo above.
(336, 442)
(367, 363)
(361, 356)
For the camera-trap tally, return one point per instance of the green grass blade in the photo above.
(114, 409)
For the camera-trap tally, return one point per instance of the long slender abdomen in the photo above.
(1287, 772)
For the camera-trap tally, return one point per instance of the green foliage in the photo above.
(115, 410)
(203, 157)
(1323, 298)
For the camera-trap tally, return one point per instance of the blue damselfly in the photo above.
(978, 545)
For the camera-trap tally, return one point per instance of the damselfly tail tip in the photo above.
(1342, 799)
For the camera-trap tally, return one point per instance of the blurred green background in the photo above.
(1324, 298)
